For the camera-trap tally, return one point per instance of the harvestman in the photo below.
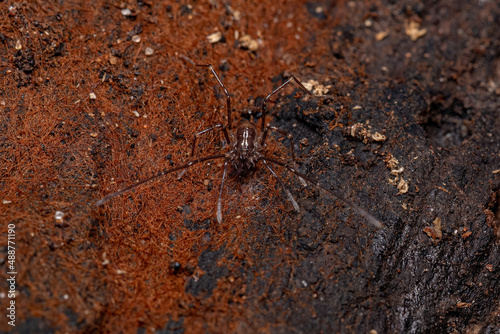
(247, 146)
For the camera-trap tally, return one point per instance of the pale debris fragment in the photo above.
(236, 15)
(112, 59)
(464, 305)
(105, 259)
(394, 181)
(92, 96)
(359, 131)
(310, 84)
(402, 186)
(391, 162)
(316, 88)
(434, 231)
(59, 215)
(149, 51)
(215, 37)
(381, 35)
(413, 30)
(247, 42)
(378, 137)
(126, 12)
(396, 172)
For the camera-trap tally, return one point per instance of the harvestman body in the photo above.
(246, 150)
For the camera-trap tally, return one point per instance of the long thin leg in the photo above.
(193, 146)
(219, 203)
(354, 206)
(288, 193)
(264, 103)
(228, 98)
(132, 186)
(292, 147)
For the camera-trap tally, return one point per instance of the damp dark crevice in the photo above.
(447, 126)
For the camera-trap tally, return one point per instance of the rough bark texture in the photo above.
(95, 96)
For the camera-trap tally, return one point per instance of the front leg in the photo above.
(264, 103)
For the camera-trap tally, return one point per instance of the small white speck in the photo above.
(104, 257)
(304, 284)
(236, 15)
(92, 96)
(59, 215)
(149, 51)
(136, 113)
(2, 294)
(4, 201)
(65, 296)
(126, 12)
(136, 38)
